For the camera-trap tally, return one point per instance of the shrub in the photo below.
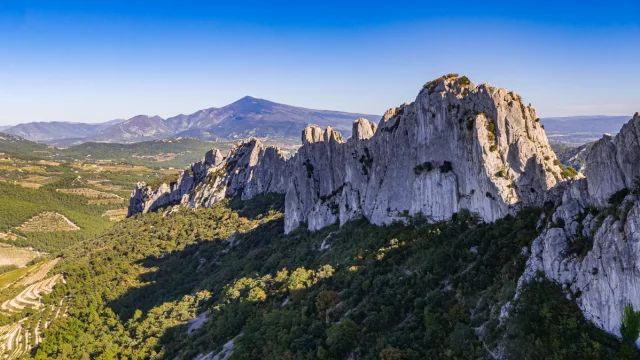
(568, 172)
(464, 81)
(630, 327)
(493, 147)
(446, 167)
(164, 179)
(342, 337)
(424, 167)
(616, 198)
(501, 173)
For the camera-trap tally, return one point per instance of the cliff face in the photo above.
(614, 163)
(592, 245)
(457, 146)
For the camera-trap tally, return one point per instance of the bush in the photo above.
(424, 167)
(446, 167)
(569, 172)
(342, 337)
(493, 147)
(464, 81)
(630, 327)
(164, 179)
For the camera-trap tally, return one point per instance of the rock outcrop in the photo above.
(592, 243)
(614, 163)
(457, 146)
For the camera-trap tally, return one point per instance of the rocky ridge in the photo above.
(592, 243)
(457, 146)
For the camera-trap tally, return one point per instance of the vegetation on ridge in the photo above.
(394, 292)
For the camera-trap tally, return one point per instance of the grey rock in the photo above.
(613, 163)
(457, 146)
(607, 277)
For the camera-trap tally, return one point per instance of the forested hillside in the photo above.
(227, 280)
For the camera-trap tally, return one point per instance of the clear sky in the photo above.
(98, 60)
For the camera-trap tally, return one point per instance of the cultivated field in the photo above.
(116, 215)
(19, 257)
(19, 338)
(95, 197)
(48, 221)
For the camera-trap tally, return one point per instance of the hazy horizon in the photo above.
(94, 62)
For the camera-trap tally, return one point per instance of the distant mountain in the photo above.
(20, 146)
(251, 116)
(578, 130)
(3, 127)
(47, 132)
(136, 129)
(246, 117)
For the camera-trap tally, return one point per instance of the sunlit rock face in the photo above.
(457, 146)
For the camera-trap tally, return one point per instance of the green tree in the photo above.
(630, 327)
(341, 337)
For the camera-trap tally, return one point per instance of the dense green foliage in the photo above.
(630, 327)
(18, 204)
(544, 324)
(409, 291)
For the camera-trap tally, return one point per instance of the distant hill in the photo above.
(17, 145)
(46, 132)
(136, 129)
(246, 117)
(578, 130)
(172, 152)
(573, 156)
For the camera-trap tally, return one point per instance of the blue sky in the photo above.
(97, 60)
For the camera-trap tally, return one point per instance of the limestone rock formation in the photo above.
(592, 243)
(614, 163)
(457, 146)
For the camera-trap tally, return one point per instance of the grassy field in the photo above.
(9, 278)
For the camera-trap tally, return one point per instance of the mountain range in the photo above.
(244, 118)
(578, 130)
(253, 117)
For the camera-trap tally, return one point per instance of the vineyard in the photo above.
(20, 337)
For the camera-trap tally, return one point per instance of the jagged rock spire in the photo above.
(457, 146)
